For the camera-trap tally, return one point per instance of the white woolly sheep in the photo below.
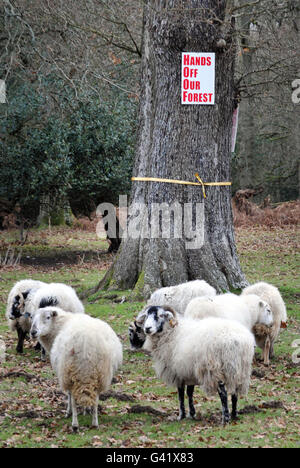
(248, 310)
(53, 294)
(179, 296)
(15, 310)
(176, 297)
(270, 294)
(85, 353)
(57, 295)
(214, 353)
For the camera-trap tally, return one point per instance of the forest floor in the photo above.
(140, 411)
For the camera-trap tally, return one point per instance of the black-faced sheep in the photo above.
(214, 353)
(176, 297)
(16, 316)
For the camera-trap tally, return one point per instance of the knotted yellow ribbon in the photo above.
(182, 182)
(202, 183)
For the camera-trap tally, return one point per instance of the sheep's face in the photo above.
(18, 306)
(265, 314)
(137, 336)
(42, 323)
(156, 319)
(16, 309)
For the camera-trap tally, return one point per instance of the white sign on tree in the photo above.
(198, 78)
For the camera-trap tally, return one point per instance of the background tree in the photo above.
(267, 153)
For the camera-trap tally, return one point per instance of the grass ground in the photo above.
(140, 411)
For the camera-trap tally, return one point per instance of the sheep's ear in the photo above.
(169, 311)
(54, 313)
(25, 294)
(170, 315)
(141, 318)
(137, 325)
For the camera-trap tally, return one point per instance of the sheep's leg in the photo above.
(224, 400)
(95, 422)
(21, 338)
(234, 400)
(43, 354)
(272, 353)
(267, 351)
(75, 425)
(181, 403)
(69, 406)
(190, 393)
(38, 346)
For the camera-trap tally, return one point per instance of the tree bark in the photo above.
(175, 141)
(55, 212)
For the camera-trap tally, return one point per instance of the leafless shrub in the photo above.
(10, 258)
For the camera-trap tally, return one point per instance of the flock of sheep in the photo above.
(195, 336)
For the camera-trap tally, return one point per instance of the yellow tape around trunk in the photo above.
(182, 182)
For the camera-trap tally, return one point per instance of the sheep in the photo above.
(177, 297)
(17, 319)
(248, 310)
(57, 295)
(85, 354)
(262, 335)
(270, 294)
(214, 353)
(53, 294)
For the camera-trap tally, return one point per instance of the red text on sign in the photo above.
(197, 97)
(198, 61)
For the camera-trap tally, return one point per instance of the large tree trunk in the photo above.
(174, 142)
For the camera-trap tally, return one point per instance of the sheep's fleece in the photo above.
(270, 294)
(85, 355)
(203, 352)
(57, 295)
(247, 310)
(179, 296)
